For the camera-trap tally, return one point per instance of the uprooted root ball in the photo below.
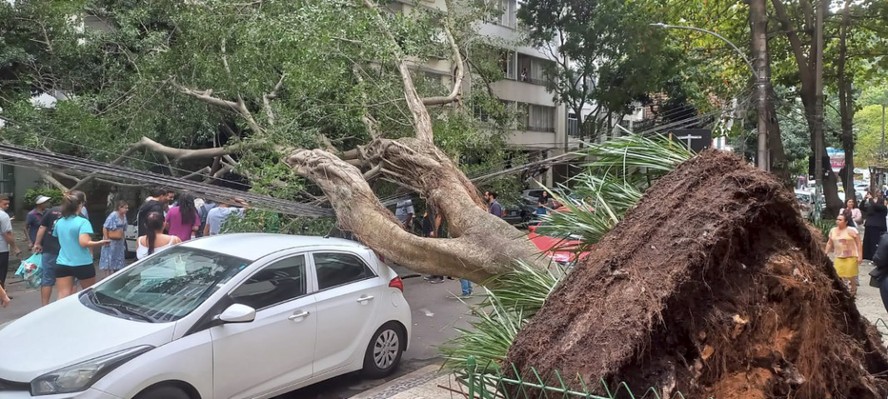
(713, 286)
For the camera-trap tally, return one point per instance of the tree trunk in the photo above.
(846, 103)
(779, 165)
(481, 246)
(813, 113)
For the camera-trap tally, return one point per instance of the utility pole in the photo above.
(758, 19)
(818, 111)
(882, 146)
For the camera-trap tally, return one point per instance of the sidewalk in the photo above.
(429, 382)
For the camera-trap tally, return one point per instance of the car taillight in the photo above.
(397, 283)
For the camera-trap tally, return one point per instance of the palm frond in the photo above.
(511, 300)
(629, 155)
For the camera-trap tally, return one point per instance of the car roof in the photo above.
(252, 246)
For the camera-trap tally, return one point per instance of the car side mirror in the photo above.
(238, 313)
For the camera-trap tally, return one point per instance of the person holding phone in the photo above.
(75, 259)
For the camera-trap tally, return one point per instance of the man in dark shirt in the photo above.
(48, 244)
(156, 203)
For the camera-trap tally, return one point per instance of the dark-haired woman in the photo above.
(155, 240)
(873, 206)
(113, 256)
(183, 220)
(75, 259)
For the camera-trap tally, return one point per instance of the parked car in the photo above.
(531, 196)
(563, 250)
(806, 202)
(130, 237)
(227, 316)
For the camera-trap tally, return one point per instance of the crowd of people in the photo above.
(64, 237)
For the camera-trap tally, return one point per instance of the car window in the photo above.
(166, 286)
(278, 282)
(335, 269)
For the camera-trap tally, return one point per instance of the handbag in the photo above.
(115, 234)
(29, 270)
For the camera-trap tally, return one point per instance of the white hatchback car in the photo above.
(228, 316)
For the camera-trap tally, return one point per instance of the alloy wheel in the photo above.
(385, 349)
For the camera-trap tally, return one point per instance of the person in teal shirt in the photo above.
(75, 259)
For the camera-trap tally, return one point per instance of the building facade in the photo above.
(541, 129)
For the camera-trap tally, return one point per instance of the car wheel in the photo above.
(384, 352)
(163, 392)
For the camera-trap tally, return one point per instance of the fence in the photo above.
(489, 382)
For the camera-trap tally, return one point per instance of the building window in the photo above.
(538, 118)
(510, 13)
(532, 69)
(507, 64)
(573, 125)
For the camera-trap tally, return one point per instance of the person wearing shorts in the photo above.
(48, 246)
(75, 260)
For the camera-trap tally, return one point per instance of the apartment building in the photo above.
(541, 128)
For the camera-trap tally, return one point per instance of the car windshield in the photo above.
(165, 287)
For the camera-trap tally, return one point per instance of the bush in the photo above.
(32, 194)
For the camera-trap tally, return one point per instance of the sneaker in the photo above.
(464, 295)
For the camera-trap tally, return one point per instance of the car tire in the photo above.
(163, 392)
(384, 351)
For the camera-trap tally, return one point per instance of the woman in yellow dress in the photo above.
(849, 250)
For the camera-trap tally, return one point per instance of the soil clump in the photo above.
(712, 286)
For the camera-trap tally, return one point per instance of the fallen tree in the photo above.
(713, 286)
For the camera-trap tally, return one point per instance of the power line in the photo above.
(209, 191)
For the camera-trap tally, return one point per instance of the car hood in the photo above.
(67, 332)
(560, 250)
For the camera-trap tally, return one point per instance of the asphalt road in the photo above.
(436, 313)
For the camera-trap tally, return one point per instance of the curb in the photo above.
(420, 384)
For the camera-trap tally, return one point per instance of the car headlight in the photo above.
(78, 377)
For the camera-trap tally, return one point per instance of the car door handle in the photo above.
(365, 298)
(299, 315)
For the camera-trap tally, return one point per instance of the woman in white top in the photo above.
(155, 240)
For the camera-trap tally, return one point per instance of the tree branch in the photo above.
(52, 180)
(266, 99)
(422, 122)
(794, 41)
(458, 61)
(369, 121)
(207, 97)
(181, 154)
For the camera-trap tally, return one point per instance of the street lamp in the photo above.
(762, 153)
